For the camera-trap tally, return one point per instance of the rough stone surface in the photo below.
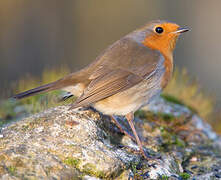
(83, 144)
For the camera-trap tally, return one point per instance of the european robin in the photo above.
(126, 76)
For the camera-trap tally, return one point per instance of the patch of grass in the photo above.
(184, 176)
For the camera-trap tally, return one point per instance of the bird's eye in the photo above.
(159, 30)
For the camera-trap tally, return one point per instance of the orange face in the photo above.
(163, 36)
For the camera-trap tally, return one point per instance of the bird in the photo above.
(126, 76)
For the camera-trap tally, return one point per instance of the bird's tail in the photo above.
(34, 91)
(69, 80)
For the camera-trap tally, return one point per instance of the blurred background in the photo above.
(35, 35)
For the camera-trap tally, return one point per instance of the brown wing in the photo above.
(129, 55)
(113, 82)
(121, 66)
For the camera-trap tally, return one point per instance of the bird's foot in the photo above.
(148, 156)
(115, 121)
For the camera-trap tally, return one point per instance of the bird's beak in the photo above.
(181, 30)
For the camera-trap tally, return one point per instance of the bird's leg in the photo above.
(121, 128)
(130, 118)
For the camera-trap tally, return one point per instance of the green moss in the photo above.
(7, 112)
(25, 127)
(134, 167)
(172, 99)
(159, 116)
(170, 140)
(164, 177)
(184, 176)
(167, 122)
(90, 169)
(179, 142)
(72, 162)
(138, 169)
(141, 114)
(175, 100)
(12, 170)
(166, 116)
(2, 122)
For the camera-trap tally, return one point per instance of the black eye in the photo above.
(159, 30)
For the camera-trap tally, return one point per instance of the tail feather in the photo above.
(69, 80)
(34, 91)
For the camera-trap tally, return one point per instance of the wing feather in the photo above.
(108, 85)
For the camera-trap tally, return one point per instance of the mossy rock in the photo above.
(78, 144)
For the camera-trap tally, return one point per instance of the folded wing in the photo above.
(104, 86)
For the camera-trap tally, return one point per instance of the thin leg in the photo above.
(130, 118)
(121, 129)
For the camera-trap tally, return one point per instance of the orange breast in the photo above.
(168, 63)
(161, 44)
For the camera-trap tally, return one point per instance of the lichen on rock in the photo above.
(84, 144)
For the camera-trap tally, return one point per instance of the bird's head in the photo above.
(161, 35)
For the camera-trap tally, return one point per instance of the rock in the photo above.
(83, 144)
